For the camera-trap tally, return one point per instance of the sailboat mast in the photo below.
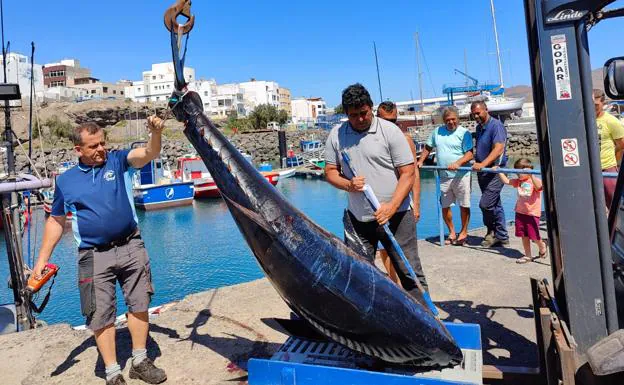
(378, 77)
(420, 88)
(498, 55)
(466, 64)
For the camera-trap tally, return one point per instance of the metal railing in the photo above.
(437, 169)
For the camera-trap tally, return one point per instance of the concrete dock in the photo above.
(207, 338)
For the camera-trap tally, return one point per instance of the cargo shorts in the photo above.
(99, 269)
(455, 189)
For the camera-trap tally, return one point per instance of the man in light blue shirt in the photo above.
(453, 144)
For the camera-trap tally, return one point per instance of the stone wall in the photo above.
(263, 147)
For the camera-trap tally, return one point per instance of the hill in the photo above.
(527, 91)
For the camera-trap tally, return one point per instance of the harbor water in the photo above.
(199, 247)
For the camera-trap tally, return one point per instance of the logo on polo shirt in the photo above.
(109, 176)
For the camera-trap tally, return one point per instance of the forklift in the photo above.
(577, 317)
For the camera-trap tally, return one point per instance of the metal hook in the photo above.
(181, 7)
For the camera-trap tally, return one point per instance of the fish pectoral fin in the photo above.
(256, 218)
(352, 239)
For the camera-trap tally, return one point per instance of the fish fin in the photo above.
(297, 328)
(352, 239)
(256, 218)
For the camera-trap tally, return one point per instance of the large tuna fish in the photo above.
(334, 288)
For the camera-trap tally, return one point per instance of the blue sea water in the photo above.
(199, 247)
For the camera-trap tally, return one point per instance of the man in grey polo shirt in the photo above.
(382, 158)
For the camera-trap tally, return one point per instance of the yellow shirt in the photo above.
(609, 129)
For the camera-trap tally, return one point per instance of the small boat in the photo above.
(317, 163)
(312, 153)
(191, 168)
(287, 172)
(155, 188)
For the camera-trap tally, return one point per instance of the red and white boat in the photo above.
(192, 168)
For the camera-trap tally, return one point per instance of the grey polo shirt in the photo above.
(375, 154)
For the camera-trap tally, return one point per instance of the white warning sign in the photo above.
(570, 153)
(561, 67)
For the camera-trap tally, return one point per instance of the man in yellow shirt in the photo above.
(611, 137)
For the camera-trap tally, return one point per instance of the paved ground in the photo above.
(208, 337)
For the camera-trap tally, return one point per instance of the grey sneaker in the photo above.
(499, 242)
(117, 380)
(488, 239)
(148, 372)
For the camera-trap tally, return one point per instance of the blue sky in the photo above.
(315, 48)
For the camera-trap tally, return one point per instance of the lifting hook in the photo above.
(181, 7)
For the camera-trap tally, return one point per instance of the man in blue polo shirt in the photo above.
(98, 194)
(490, 151)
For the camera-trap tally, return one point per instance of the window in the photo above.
(114, 92)
(157, 98)
(168, 85)
(221, 103)
(105, 90)
(154, 77)
(139, 89)
(56, 74)
(92, 91)
(205, 93)
(121, 92)
(57, 83)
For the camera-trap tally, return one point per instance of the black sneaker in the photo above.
(148, 372)
(117, 380)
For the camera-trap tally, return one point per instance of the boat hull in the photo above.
(206, 188)
(154, 197)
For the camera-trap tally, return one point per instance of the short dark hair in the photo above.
(355, 96)
(90, 127)
(478, 103)
(387, 106)
(523, 163)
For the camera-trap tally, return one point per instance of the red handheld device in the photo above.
(49, 271)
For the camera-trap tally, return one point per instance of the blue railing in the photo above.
(437, 169)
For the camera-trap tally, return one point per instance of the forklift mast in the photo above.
(570, 162)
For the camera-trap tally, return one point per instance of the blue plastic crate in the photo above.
(303, 362)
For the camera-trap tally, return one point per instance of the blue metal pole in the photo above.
(439, 205)
(507, 171)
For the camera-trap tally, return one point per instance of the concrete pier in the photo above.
(207, 338)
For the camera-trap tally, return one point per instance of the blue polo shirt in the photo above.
(487, 135)
(99, 199)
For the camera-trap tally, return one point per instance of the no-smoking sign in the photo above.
(569, 150)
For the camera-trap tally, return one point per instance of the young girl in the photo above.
(528, 209)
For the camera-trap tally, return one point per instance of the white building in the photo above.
(258, 92)
(18, 71)
(228, 99)
(307, 110)
(62, 93)
(206, 90)
(157, 84)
